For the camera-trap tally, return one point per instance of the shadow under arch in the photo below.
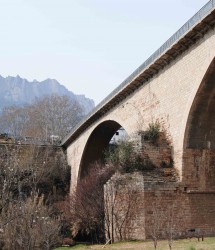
(199, 140)
(200, 128)
(96, 145)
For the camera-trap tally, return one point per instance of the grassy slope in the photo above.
(193, 244)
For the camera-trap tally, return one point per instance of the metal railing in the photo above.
(199, 16)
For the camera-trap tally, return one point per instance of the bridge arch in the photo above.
(199, 140)
(200, 128)
(96, 144)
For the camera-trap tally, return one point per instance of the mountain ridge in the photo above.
(19, 91)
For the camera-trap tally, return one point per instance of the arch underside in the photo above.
(199, 143)
(201, 122)
(97, 143)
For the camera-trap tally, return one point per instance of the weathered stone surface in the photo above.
(156, 209)
(167, 97)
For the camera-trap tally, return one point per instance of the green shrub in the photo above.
(121, 156)
(126, 159)
(152, 132)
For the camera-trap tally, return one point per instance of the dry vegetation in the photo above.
(32, 180)
(53, 115)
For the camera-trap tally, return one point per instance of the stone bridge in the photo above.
(175, 86)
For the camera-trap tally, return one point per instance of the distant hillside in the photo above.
(18, 91)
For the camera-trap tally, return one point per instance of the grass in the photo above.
(79, 246)
(193, 244)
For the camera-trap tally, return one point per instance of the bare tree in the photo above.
(174, 221)
(170, 225)
(51, 115)
(85, 207)
(166, 220)
(55, 115)
(27, 176)
(156, 222)
(28, 169)
(29, 224)
(14, 120)
(121, 206)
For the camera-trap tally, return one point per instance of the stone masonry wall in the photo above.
(166, 210)
(202, 210)
(199, 169)
(156, 209)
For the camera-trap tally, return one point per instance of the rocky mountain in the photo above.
(19, 91)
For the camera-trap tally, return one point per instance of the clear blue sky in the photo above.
(90, 46)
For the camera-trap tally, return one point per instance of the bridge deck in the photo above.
(187, 35)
